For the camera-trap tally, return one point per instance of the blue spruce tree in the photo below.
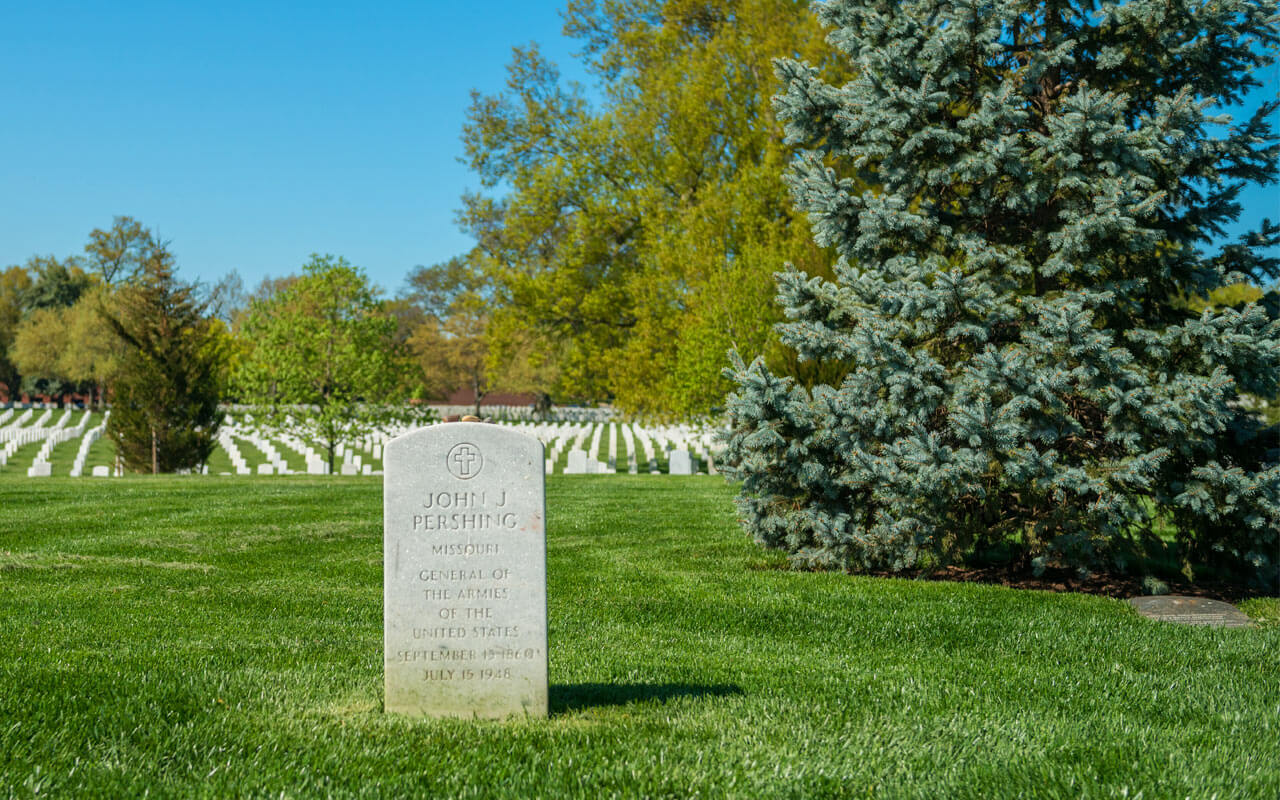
(1022, 197)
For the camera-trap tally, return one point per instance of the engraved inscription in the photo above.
(463, 522)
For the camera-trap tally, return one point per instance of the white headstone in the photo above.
(101, 471)
(464, 575)
(350, 469)
(679, 463)
(40, 469)
(577, 464)
(266, 469)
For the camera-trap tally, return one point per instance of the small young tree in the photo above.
(321, 355)
(166, 387)
(1024, 370)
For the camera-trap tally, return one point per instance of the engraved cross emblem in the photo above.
(464, 460)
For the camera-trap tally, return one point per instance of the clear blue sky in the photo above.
(252, 134)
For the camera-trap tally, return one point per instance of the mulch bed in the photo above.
(1065, 580)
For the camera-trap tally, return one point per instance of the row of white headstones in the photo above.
(352, 454)
(19, 429)
(687, 450)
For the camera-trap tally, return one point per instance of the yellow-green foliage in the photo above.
(637, 241)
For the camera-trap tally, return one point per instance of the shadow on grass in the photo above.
(578, 696)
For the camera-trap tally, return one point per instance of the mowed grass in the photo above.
(223, 637)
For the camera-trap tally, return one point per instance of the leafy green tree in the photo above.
(71, 348)
(68, 350)
(164, 411)
(14, 283)
(321, 355)
(1019, 193)
(448, 343)
(54, 283)
(120, 253)
(635, 242)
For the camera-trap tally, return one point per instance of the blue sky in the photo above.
(251, 134)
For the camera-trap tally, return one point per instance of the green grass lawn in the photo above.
(63, 456)
(22, 458)
(102, 453)
(222, 637)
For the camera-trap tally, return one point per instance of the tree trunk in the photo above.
(155, 462)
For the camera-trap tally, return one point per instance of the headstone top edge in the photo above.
(461, 428)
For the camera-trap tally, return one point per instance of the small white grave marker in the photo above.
(577, 463)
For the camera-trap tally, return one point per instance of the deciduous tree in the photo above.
(321, 355)
(14, 283)
(449, 342)
(120, 253)
(71, 348)
(635, 241)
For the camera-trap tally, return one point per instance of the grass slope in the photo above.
(222, 637)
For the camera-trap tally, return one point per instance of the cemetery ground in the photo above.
(222, 636)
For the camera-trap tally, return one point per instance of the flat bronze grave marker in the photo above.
(1191, 611)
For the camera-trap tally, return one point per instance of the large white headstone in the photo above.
(464, 572)
(679, 463)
